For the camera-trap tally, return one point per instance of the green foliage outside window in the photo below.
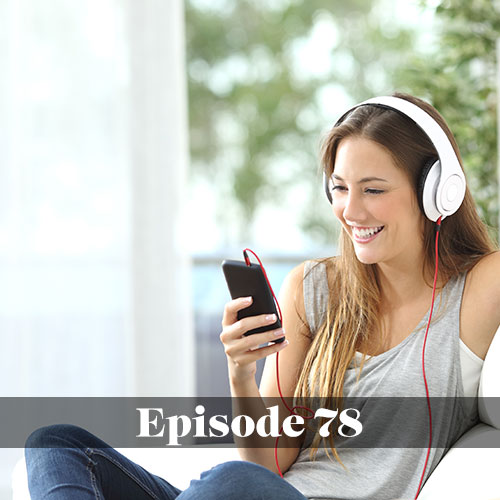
(257, 116)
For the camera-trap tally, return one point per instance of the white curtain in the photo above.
(94, 277)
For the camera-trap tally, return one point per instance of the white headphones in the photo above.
(442, 183)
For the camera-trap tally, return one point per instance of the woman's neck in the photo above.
(402, 285)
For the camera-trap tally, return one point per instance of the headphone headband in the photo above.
(449, 192)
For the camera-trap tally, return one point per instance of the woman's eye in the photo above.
(368, 190)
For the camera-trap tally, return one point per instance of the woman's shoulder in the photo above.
(310, 269)
(299, 281)
(311, 282)
(491, 259)
(320, 268)
(481, 302)
(486, 274)
(484, 283)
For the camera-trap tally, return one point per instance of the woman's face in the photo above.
(376, 204)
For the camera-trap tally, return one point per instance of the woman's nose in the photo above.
(354, 209)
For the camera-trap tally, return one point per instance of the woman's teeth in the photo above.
(365, 233)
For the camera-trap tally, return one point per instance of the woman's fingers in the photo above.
(244, 325)
(231, 309)
(236, 333)
(251, 356)
(258, 339)
(252, 342)
(238, 328)
(243, 350)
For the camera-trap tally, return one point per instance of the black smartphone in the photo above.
(245, 281)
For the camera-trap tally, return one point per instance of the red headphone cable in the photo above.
(436, 268)
(291, 410)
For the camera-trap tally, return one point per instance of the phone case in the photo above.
(245, 281)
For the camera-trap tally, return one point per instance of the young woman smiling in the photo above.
(354, 326)
(355, 323)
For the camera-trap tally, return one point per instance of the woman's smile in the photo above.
(365, 234)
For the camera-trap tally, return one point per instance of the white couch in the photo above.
(465, 473)
(471, 473)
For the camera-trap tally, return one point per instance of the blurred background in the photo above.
(143, 142)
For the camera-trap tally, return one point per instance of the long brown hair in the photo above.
(354, 302)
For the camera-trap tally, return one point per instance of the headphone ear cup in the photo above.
(427, 188)
(421, 181)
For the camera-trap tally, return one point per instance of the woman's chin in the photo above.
(366, 257)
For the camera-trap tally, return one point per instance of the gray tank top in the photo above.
(375, 473)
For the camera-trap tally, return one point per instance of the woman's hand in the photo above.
(243, 351)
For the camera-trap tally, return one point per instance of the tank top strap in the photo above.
(316, 294)
(450, 299)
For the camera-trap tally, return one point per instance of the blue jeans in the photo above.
(67, 462)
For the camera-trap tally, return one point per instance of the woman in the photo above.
(354, 326)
